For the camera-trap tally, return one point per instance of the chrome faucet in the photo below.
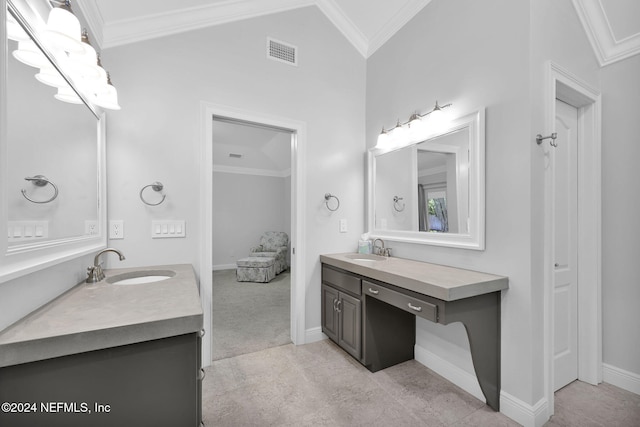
(381, 250)
(95, 273)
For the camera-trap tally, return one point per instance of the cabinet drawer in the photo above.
(341, 280)
(418, 307)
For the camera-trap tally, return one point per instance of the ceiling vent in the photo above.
(282, 52)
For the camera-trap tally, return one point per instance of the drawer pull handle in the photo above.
(201, 334)
(413, 307)
(374, 291)
(202, 374)
(338, 306)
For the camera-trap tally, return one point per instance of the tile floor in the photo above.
(320, 385)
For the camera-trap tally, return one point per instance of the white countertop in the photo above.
(438, 281)
(101, 315)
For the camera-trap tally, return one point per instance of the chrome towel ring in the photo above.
(329, 196)
(398, 204)
(40, 181)
(156, 186)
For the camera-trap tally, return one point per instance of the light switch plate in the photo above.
(168, 229)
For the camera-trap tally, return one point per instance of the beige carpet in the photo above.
(249, 317)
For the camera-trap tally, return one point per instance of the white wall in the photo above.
(457, 51)
(620, 207)
(156, 134)
(244, 207)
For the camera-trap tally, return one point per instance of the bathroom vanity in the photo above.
(369, 306)
(107, 354)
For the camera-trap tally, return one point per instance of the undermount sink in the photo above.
(139, 277)
(366, 257)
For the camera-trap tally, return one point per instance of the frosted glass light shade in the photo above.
(63, 31)
(66, 94)
(84, 65)
(14, 30)
(51, 77)
(28, 53)
(107, 97)
(384, 140)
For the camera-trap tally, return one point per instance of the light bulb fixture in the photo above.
(51, 77)
(412, 128)
(68, 95)
(28, 53)
(63, 31)
(384, 139)
(84, 65)
(107, 96)
(65, 57)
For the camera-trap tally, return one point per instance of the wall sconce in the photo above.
(412, 128)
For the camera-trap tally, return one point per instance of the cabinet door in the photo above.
(349, 311)
(329, 313)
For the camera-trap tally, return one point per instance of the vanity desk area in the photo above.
(369, 306)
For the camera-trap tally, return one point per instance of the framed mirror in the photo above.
(52, 183)
(431, 191)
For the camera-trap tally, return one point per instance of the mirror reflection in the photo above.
(433, 195)
(52, 147)
(431, 191)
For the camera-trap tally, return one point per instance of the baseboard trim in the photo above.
(516, 409)
(620, 378)
(313, 335)
(523, 413)
(463, 379)
(224, 267)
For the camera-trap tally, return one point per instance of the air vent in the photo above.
(235, 155)
(282, 52)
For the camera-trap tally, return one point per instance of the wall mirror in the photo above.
(52, 180)
(431, 191)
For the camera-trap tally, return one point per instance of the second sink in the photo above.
(366, 257)
(142, 276)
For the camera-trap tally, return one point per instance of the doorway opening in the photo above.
(251, 224)
(296, 132)
(572, 234)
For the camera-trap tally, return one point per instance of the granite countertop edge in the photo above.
(24, 342)
(471, 283)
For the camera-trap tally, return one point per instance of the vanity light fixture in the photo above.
(106, 95)
(410, 128)
(63, 29)
(28, 53)
(69, 49)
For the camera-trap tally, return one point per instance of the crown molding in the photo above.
(345, 25)
(117, 33)
(163, 24)
(398, 21)
(94, 19)
(252, 171)
(607, 48)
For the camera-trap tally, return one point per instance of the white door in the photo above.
(565, 250)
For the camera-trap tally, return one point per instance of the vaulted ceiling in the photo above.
(612, 26)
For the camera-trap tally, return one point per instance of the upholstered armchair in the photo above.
(273, 244)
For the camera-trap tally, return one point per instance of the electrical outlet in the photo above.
(116, 229)
(90, 227)
(343, 225)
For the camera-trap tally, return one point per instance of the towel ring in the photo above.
(40, 181)
(329, 196)
(399, 207)
(156, 186)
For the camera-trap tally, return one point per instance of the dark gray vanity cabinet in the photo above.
(154, 383)
(342, 309)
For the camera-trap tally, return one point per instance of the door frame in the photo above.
(570, 89)
(298, 144)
